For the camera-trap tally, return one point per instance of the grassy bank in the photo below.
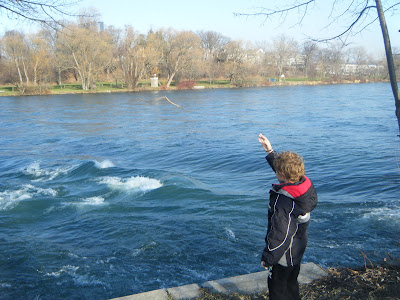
(377, 282)
(115, 87)
(101, 87)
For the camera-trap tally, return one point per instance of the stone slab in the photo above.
(189, 292)
(310, 272)
(246, 284)
(258, 282)
(160, 294)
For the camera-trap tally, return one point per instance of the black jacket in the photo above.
(289, 210)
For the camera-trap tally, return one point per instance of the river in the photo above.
(106, 195)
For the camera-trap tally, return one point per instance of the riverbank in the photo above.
(377, 282)
(373, 282)
(68, 89)
(248, 284)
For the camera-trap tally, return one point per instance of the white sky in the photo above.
(218, 15)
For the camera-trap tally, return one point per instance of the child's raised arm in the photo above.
(265, 143)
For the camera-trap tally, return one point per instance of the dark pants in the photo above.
(283, 283)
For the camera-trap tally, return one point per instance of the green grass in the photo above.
(215, 83)
(302, 79)
(107, 87)
(7, 91)
(104, 87)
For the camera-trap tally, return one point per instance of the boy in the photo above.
(290, 204)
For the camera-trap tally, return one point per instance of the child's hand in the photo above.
(265, 143)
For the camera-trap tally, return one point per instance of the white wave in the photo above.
(147, 246)
(83, 204)
(86, 280)
(230, 234)
(134, 184)
(79, 279)
(65, 269)
(93, 201)
(10, 198)
(5, 285)
(35, 170)
(104, 164)
(384, 214)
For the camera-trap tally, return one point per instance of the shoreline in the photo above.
(3, 93)
(381, 281)
(247, 284)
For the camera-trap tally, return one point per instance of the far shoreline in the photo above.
(288, 82)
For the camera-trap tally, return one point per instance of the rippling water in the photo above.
(103, 196)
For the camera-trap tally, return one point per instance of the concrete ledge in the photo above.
(245, 284)
(310, 272)
(190, 291)
(152, 295)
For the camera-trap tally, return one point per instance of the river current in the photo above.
(106, 195)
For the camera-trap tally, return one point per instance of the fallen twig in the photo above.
(365, 259)
(166, 98)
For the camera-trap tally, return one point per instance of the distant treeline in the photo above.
(83, 52)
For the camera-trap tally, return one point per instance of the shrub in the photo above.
(33, 90)
(184, 85)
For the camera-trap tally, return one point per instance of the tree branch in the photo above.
(348, 28)
(44, 12)
(268, 13)
(275, 12)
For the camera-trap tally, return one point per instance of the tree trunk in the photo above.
(26, 73)
(389, 58)
(175, 70)
(19, 72)
(59, 76)
(35, 73)
(171, 78)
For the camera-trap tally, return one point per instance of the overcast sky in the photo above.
(218, 15)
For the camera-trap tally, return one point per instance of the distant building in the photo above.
(100, 26)
(297, 60)
(253, 56)
(360, 69)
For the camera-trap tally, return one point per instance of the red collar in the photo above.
(296, 189)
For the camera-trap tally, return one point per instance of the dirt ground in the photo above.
(375, 282)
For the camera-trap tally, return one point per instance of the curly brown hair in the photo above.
(290, 165)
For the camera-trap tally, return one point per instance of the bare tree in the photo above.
(235, 62)
(180, 50)
(59, 60)
(16, 50)
(361, 14)
(284, 48)
(131, 56)
(359, 58)
(43, 11)
(40, 58)
(30, 57)
(212, 42)
(137, 54)
(87, 49)
(309, 51)
(331, 60)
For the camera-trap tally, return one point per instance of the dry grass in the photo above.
(377, 282)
